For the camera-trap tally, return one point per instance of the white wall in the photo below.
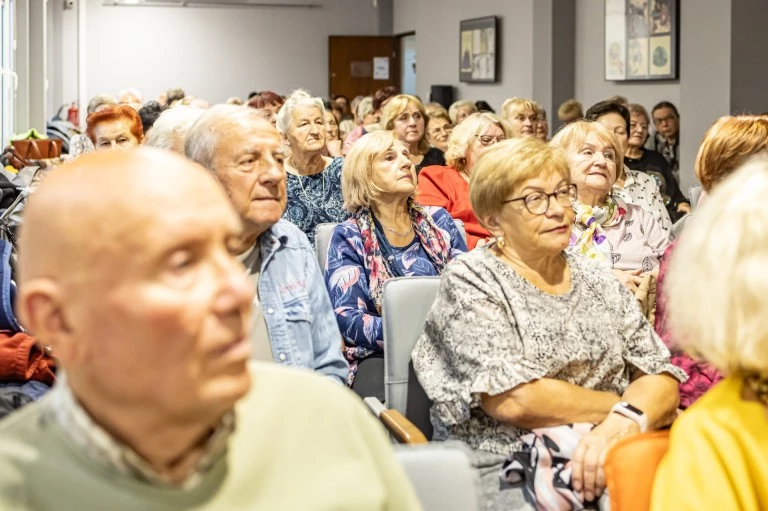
(590, 86)
(703, 92)
(214, 53)
(436, 23)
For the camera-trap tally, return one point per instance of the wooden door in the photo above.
(358, 65)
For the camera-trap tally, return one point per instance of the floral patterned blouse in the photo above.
(491, 330)
(347, 279)
(642, 190)
(316, 199)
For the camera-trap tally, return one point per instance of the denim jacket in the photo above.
(302, 326)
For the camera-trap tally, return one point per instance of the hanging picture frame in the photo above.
(641, 39)
(478, 45)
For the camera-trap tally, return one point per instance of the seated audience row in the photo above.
(158, 405)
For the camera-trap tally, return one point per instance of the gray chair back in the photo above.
(460, 227)
(405, 304)
(695, 194)
(442, 476)
(323, 234)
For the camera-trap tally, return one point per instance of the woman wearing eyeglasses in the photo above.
(525, 335)
(448, 187)
(622, 236)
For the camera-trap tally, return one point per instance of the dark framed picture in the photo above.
(477, 49)
(641, 39)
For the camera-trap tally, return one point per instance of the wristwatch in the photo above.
(631, 412)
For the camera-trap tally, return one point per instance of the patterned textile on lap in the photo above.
(543, 465)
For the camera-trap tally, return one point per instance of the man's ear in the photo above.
(41, 310)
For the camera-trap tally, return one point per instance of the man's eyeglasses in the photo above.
(488, 140)
(537, 203)
(662, 120)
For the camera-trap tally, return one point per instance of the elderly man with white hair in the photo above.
(293, 321)
(133, 283)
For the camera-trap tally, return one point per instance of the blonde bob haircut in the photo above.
(396, 106)
(513, 106)
(728, 143)
(464, 134)
(506, 166)
(357, 188)
(716, 282)
(572, 137)
(453, 110)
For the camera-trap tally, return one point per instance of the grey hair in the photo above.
(297, 98)
(205, 134)
(99, 100)
(453, 110)
(171, 128)
(365, 107)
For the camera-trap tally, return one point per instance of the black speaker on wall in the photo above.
(442, 94)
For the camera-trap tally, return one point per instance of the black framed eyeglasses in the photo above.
(537, 203)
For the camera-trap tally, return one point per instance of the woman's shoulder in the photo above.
(438, 214)
(336, 165)
(643, 179)
(347, 229)
(434, 171)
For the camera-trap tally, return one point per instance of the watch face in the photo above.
(631, 408)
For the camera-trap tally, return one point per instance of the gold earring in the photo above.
(500, 241)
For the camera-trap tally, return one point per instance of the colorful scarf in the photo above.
(428, 233)
(587, 236)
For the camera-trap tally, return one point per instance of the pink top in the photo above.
(701, 376)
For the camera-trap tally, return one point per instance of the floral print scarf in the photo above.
(428, 233)
(587, 236)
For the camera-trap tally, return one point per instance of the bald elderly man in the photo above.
(133, 283)
(293, 320)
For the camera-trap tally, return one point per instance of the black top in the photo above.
(656, 166)
(432, 157)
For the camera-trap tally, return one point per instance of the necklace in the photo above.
(400, 234)
(301, 182)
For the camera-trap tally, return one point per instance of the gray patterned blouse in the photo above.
(491, 330)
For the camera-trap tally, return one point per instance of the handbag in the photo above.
(24, 152)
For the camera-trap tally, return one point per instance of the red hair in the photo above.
(115, 113)
(266, 98)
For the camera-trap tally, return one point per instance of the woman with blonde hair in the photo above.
(524, 335)
(405, 115)
(522, 114)
(448, 187)
(727, 144)
(314, 180)
(718, 449)
(622, 236)
(389, 235)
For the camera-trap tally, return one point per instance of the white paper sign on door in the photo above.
(381, 68)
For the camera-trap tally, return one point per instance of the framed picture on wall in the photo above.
(478, 40)
(641, 39)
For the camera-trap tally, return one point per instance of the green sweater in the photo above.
(301, 443)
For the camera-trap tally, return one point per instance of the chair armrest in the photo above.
(401, 428)
(404, 431)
